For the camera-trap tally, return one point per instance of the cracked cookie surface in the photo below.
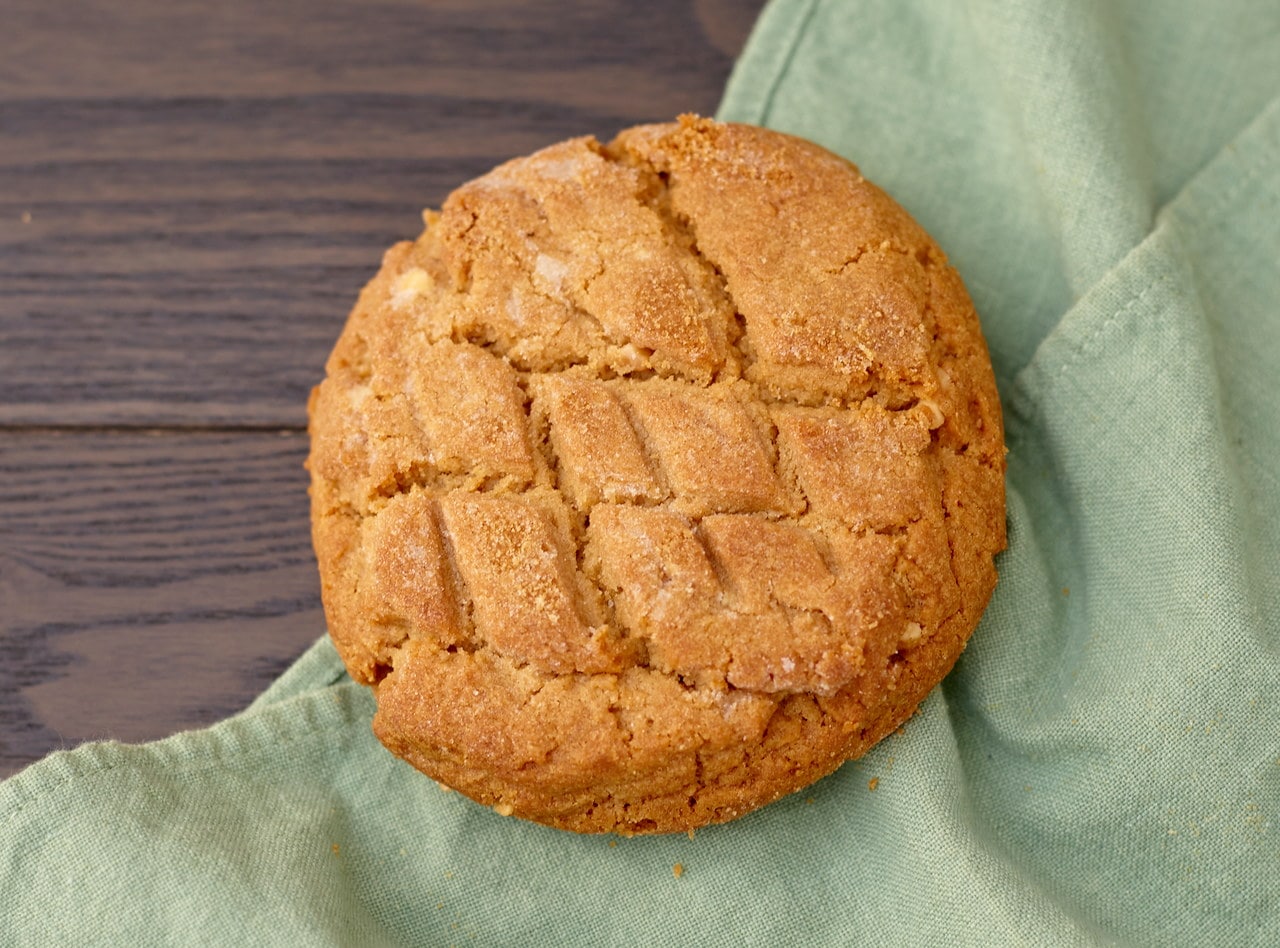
(656, 479)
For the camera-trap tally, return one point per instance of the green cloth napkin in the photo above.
(1102, 767)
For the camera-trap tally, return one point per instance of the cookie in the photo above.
(656, 479)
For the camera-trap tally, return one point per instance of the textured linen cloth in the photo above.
(1103, 766)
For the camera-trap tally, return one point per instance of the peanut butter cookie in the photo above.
(656, 479)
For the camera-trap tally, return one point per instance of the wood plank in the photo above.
(190, 197)
(149, 581)
(150, 47)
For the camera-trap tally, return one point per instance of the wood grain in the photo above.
(190, 198)
(149, 581)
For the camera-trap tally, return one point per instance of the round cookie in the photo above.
(656, 479)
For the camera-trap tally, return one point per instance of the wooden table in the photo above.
(190, 197)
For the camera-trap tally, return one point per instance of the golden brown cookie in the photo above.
(656, 479)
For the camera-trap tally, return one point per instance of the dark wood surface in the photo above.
(190, 197)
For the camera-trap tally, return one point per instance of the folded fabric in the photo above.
(1103, 766)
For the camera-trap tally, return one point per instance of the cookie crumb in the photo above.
(503, 809)
(334, 847)
(613, 844)
(677, 870)
(691, 832)
(873, 783)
